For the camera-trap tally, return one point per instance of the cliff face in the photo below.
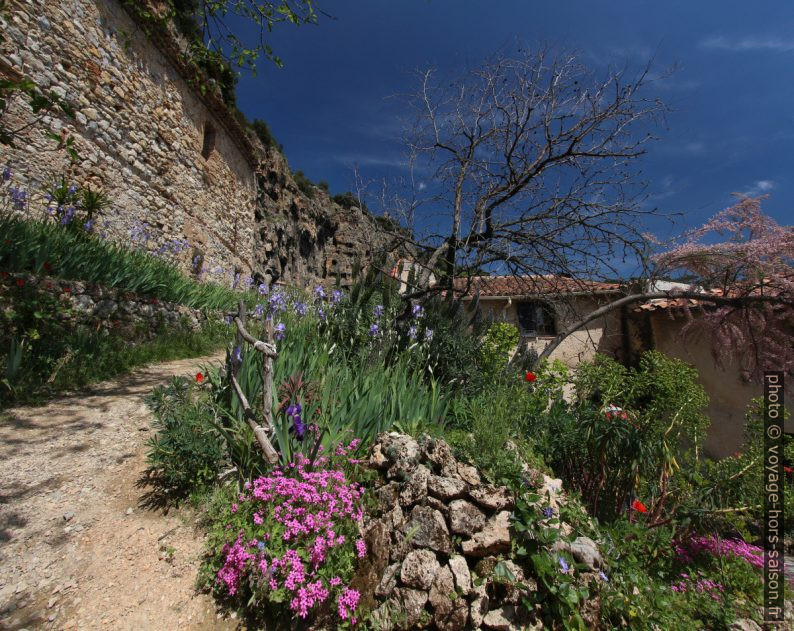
(303, 240)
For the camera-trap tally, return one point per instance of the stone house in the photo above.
(543, 306)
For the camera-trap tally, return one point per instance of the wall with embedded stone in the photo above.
(124, 313)
(164, 152)
(167, 153)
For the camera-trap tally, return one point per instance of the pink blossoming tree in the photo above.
(741, 286)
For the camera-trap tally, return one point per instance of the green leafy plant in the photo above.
(498, 343)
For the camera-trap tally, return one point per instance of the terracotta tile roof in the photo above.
(514, 286)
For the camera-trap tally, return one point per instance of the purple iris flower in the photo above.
(417, 311)
(300, 308)
(374, 330)
(262, 289)
(7, 173)
(336, 296)
(319, 292)
(237, 355)
(563, 565)
(280, 331)
(603, 577)
(378, 311)
(412, 332)
(428, 335)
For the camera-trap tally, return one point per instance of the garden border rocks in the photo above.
(439, 546)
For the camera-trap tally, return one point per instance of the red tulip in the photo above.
(20, 282)
(530, 376)
(638, 506)
(199, 377)
(67, 289)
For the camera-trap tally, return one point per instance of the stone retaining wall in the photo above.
(138, 317)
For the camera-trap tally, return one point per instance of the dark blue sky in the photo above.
(732, 128)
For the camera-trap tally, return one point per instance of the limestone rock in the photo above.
(445, 488)
(439, 456)
(468, 474)
(450, 611)
(492, 497)
(465, 518)
(411, 604)
(415, 489)
(397, 447)
(745, 624)
(494, 538)
(388, 581)
(429, 530)
(460, 572)
(585, 550)
(419, 569)
(502, 619)
(479, 605)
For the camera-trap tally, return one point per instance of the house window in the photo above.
(209, 140)
(536, 318)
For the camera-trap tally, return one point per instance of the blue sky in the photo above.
(731, 128)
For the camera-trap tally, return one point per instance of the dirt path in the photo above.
(77, 551)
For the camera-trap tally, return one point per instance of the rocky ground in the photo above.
(79, 548)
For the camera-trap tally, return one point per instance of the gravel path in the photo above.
(78, 549)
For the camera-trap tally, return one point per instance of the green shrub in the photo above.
(628, 434)
(262, 132)
(499, 342)
(305, 185)
(185, 454)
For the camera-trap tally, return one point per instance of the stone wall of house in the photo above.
(138, 127)
(599, 336)
(124, 313)
(729, 393)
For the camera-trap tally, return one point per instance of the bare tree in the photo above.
(530, 159)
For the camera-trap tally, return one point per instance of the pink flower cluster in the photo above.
(304, 509)
(720, 547)
(702, 585)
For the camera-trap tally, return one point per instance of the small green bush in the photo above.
(499, 342)
(185, 454)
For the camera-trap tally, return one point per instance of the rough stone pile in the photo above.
(434, 550)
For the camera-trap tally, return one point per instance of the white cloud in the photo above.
(749, 44)
(760, 187)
